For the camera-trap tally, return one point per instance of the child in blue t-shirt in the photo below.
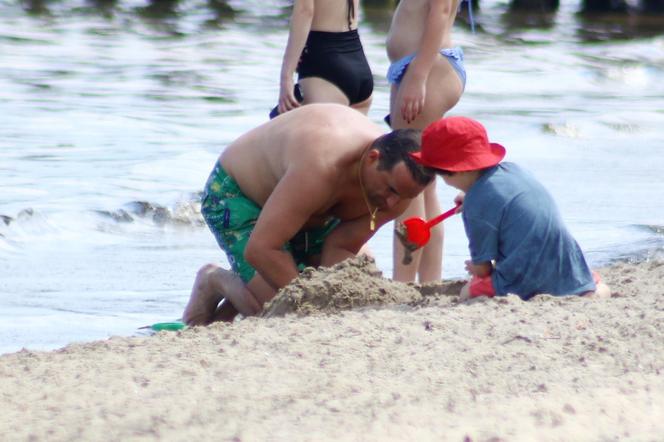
(517, 239)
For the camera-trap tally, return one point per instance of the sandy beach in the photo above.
(343, 354)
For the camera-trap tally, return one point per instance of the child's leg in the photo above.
(431, 264)
(400, 271)
(601, 290)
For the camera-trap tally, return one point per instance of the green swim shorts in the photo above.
(232, 216)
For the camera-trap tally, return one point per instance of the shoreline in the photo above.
(430, 369)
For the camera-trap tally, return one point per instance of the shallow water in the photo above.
(112, 119)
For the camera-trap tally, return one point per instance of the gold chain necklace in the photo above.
(372, 213)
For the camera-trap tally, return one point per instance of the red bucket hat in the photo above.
(457, 144)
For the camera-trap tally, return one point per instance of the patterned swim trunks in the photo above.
(232, 216)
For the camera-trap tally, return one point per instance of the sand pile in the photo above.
(348, 285)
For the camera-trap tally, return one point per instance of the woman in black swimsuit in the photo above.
(324, 48)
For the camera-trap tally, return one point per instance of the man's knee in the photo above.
(205, 278)
(205, 271)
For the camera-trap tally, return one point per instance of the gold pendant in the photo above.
(372, 213)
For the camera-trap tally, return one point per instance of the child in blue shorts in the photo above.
(517, 239)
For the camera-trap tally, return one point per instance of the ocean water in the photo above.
(112, 115)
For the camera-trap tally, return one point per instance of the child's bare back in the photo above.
(409, 23)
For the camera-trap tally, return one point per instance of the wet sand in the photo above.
(343, 354)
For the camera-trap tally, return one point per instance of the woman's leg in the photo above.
(318, 90)
(444, 89)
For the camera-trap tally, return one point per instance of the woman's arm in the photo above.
(300, 24)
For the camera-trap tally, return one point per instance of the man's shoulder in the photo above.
(331, 111)
(327, 123)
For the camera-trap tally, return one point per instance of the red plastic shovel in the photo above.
(417, 231)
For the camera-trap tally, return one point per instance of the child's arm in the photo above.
(413, 86)
(480, 270)
(300, 25)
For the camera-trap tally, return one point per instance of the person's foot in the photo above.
(225, 312)
(602, 291)
(204, 299)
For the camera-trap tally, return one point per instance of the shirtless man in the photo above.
(307, 188)
(427, 77)
(324, 47)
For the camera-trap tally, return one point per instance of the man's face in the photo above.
(387, 188)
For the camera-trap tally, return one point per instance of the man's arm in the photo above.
(348, 237)
(297, 196)
(346, 240)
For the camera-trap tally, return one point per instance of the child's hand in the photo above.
(470, 267)
(411, 97)
(458, 201)
(481, 270)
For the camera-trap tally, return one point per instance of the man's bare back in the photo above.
(325, 141)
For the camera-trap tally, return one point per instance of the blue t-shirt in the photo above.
(511, 218)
